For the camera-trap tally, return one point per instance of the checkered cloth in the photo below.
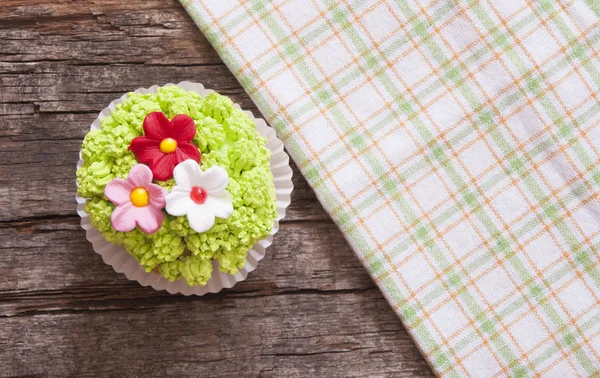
(456, 144)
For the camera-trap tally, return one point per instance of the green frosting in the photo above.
(227, 138)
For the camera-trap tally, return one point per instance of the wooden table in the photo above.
(310, 308)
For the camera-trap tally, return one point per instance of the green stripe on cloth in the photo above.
(456, 145)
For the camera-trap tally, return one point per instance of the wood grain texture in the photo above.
(309, 309)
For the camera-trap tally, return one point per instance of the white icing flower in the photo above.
(201, 196)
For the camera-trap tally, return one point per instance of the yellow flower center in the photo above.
(139, 197)
(168, 145)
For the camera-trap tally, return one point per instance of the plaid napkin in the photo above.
(456, 144)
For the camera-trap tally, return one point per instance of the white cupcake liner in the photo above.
(123, 262)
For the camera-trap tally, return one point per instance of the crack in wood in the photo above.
(43, 219)
(315, 353)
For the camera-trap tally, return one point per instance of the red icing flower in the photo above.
(165, 143)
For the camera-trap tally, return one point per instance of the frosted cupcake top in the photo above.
(179, 180)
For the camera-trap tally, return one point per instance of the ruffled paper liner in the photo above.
(122, 262)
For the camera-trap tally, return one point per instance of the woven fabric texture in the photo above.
(456, 144)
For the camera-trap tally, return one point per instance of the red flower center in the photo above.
(167, 145)
(198, 195)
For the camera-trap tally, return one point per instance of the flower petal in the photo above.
(123, 217)
(156, 126)
(179, 201)
(188, 174)
(185, 151)
(148, 218)
(201, 218)
(162, 167)
(157, 195)
(140, 176)
(118, 191)
(183, 128)
(215, 180)
(145, 149)
(221, 206)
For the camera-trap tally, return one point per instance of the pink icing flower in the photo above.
(139, 201)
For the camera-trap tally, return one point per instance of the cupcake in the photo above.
(182, 182)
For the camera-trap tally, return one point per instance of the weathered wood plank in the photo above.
(109, 32)
(60, 243)
(276, 335)
(286, 314)
(63, 89)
